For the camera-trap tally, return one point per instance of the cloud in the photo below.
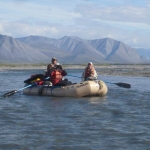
(37, 12)
(123, 20)
(115, 13)
(128, 23)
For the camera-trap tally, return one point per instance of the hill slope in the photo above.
(116, 51)
(14, 51)
(144, 52)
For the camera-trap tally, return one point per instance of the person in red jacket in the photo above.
(56, 75)
(89, 72)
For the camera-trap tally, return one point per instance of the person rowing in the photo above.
(56, 74)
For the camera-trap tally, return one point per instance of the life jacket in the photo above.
(56, 76)
(89, 72)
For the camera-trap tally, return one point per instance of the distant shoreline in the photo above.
(113, 70)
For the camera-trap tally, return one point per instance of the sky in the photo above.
(123, 20)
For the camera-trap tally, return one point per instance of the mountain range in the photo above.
(68, 50)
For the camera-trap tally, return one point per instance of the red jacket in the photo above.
(89, 72)
(57, 75)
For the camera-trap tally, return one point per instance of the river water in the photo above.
(118, 121)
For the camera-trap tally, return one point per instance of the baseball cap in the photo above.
(90, 63)
(54, 58)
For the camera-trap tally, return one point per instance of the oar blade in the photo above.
(124, 85)
(15, 91)
(10, 93)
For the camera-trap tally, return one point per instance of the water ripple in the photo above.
(120, 120)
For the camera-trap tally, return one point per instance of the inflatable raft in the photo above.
(86, 88)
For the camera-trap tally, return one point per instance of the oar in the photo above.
(15, 91)
(124, 85)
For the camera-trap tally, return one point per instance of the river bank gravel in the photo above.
(113, 70)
